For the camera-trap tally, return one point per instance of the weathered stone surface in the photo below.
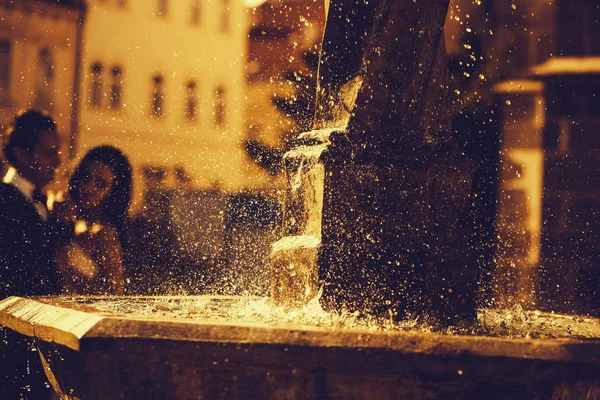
(382, 175)
(96, 354)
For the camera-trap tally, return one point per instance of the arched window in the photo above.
(158, 96)
(96, 85)
(219, 105)
(5, 50)
(116, 88)
(191, 101)
(195, 13)
(44, 82)
(224, 23)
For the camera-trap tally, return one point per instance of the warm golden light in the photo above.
(254, 3)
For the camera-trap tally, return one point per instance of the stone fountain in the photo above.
(376, 226)
(377, 206)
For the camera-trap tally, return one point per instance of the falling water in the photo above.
(294, 279)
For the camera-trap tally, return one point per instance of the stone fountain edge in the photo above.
(75, 329)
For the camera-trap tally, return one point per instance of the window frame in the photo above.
(157, 99)
(220, 106)
(196, 13)
(96, 91)
(191, 101)
(224, 20)
(116, 88)
(162, 8)
(5, 70)
(44, 82)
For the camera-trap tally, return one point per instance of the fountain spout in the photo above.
(379, 187)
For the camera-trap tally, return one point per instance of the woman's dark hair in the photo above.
(25, 132)
(116, 204)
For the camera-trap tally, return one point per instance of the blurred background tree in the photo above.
(298, 107)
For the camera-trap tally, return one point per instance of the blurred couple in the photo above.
(47, 248)
(74, 246)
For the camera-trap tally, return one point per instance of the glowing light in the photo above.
(10, 174)
(254, 3)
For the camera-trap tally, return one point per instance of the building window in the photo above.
(5, 50)
(253, 131)
(46, 62)
(155, 177)
(96, 85)
(158, 96)
(191, 101)
(224, 15)
(44, 83)
(182, 178)
(195, 13)
(162, 8)
(219, 106)
(116, 88)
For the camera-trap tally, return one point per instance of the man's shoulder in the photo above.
(12, 201)
(9, 193)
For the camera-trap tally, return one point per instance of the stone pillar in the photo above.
(569, 272)
(391, 221)
(519, 217)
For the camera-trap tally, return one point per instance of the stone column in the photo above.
(390, 221)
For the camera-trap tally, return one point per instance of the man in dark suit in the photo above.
(33, 150)
(26, 241)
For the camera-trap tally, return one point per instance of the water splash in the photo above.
(512, 323)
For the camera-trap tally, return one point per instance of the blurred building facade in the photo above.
(179, 84)
(164, 81)
(570, 245)
(536, 63)
(280, 32)
(40, 51)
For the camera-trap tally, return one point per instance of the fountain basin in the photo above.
(95, 351)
